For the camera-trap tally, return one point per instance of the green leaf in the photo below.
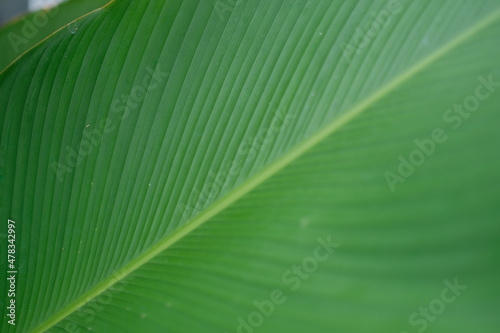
(256, 166)
(23, 33)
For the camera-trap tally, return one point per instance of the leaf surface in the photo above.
(188, 201)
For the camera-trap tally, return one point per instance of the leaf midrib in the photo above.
(262, 176)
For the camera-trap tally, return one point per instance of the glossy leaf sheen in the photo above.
(23, 33)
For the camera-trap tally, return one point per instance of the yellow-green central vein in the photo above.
(262, 176)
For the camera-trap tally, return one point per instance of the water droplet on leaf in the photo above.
(72, 28)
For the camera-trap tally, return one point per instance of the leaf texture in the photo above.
(168, 163)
